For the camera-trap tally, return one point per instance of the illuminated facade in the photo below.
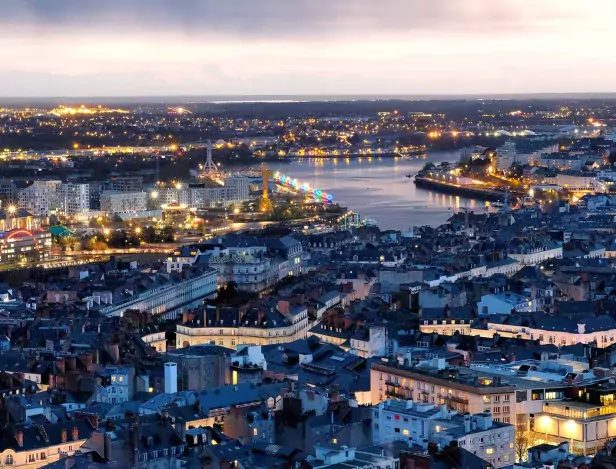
(587, 426)
(169, 298)
(475, 396)
(22, 245)
(12, 218)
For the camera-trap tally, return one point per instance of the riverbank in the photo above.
(448, 188)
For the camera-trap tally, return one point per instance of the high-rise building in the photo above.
(123, 202)
(73, 198)
(39, 198)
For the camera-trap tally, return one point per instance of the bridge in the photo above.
(304, 188)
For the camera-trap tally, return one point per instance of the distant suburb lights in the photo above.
(318, 194)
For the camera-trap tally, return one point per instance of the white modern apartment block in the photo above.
(73, 199)
(39, 198)
(506, 156)
(236, 189)
(420, 423)
(123, 202)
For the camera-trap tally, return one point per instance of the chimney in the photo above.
(261, 314)
(283, 306)
(75, 434)
(63, 435)
(61, 366)
(19, 436)
(581, 328)
(217, 315)
(87, 360)
(180, 428)
(467, 423)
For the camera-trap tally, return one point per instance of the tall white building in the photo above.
(73, 199)
(43, 197)
(123, 202)
(506, 156)
(39, 198)
(235, 190)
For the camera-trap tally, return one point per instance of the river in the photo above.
(378, 188)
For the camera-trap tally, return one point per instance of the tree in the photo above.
(524, 440)
(428, 166)
(92, 244)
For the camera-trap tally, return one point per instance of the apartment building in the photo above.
(39, 198)
(461, 390)
(125, 183)
(39, 445)
(536, 253)
(257, 326)
(73, 199)
(165, 295)
(420, 423)
(122, 202)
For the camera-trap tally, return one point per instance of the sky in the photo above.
(305, 47)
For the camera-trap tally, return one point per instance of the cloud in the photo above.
(123, 47)
(276, 18)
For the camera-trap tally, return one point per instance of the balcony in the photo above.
(400, 394)
(459, 400)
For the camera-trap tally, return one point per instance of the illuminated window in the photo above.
(255, 432)
(511, 445)
(234, 377)
(405, 432)
(121, 379)
(489, 450)
(335, 441)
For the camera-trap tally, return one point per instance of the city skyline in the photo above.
(274, 47)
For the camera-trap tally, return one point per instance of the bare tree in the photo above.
(524, 440)
(522, 443)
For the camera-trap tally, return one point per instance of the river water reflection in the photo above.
(378, 188)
